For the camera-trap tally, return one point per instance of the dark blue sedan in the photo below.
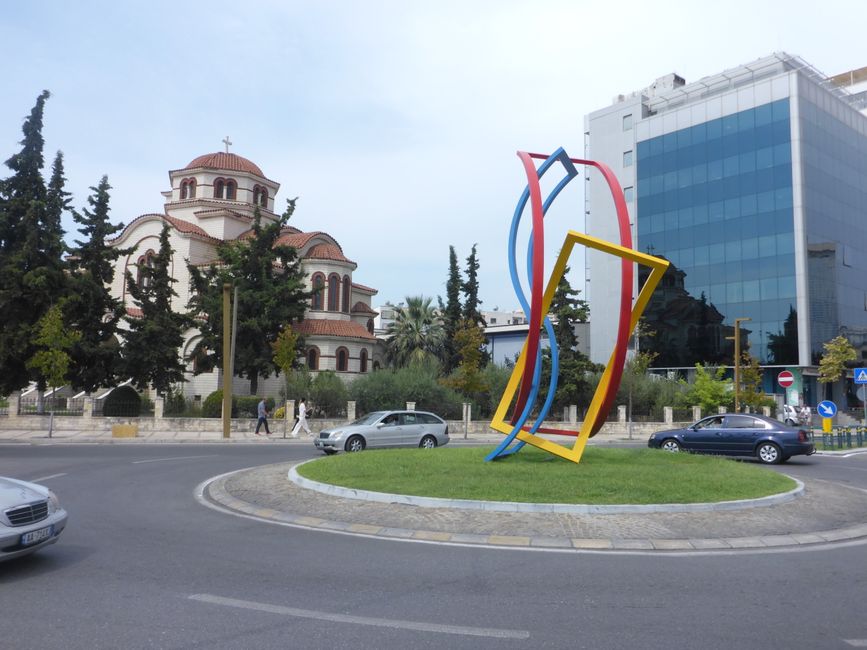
(732, 434)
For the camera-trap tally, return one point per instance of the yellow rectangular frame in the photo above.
(658, 267)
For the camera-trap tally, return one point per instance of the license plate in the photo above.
(36, 536)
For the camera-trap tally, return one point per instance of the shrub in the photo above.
(243, 406)
(387, 389)
(123, 401)
(329, 394)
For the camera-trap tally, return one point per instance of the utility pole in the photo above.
(227, 361)
(737, 339)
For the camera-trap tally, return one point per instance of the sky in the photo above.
(396, 123)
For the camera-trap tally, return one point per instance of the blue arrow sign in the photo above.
(860, 375)
(827, 409)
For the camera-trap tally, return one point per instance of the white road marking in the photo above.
(45, 478)
(416, 626)
(857, 643)
(159, 460)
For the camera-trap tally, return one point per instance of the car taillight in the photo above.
(447, 430)
(802, 436)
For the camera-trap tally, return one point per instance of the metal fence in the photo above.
(49, 405)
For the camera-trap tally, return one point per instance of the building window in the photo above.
(629, 194)
(219, 186)
(145, 261)
(347, 285)
(627, 158)
(342, 359)
(313, 359)
(363, 361)
(627, 122)
(231, 190)
(318, 289)
(370, 325)
(334, 292)
(260, 196)
(376, 366)
(188, 188)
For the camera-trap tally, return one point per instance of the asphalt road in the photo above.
(142, 564)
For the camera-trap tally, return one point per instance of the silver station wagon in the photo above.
(385, 429)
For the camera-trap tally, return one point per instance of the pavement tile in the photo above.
(308, 521)
(509, 540)
(705, 543)
(778, 540)
(469, 538)
(631, 544)
(432, 536)
(584, 543)
(672, 544)
(365, 529)
(807, 538)
(744, 542)
(551, 542)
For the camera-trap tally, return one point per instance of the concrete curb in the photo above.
(514, 506)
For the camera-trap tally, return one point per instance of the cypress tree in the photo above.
(91, 309)
(471, 291)
(153, 342)
(32, 277)
(451, 313)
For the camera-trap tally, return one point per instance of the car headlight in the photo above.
(53, 503)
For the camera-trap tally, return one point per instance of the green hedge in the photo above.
(123, 401)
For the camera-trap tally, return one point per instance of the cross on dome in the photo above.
(227, 142)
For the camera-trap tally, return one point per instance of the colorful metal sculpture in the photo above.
(526, 376)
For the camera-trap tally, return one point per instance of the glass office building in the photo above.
(753, 184)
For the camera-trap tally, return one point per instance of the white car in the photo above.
(385, 429)
(30, 518)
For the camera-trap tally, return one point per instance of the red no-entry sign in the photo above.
(785, 379)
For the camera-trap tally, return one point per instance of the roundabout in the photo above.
(823, 513)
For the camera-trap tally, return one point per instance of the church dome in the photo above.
(225, 161)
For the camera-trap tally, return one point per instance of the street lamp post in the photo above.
(737, 338)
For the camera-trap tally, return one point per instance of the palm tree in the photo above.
(416, 333)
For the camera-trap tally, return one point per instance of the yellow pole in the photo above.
(227, 361)
(738, 322)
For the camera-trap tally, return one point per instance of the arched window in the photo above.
(347, 286)
(256, 191)
(263, 197)
(231, 190)
(342, 359)
(188, 188)
(145, 261)
(333, 292)
(192, 188)
(318, 289)
(219, 185)
(375, 366)
(363, 361)
(313, 358)
(370, 325)
(183, 190)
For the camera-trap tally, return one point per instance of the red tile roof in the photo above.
(361, 308)
(178, 224)
(134, 312)
(327, 252)
(361, 287)
(339, 328)
(228, 161)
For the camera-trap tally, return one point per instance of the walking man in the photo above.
(262, 410)
(302, 420)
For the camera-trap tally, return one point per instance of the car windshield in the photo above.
(370, 418)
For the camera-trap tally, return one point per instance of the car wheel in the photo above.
(670, 444)
(769, 454)
(428, 442)
(790, 422)
(329, 452)
(355, 443)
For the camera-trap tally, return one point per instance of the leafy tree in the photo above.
(286, 349)
(32, 277)
(299, 384)
(416, 333)
(91, 308)
(151, 350)
(451, 313)
(470, 289)
(418, 383)
(709, 390)
(53, 340)
(271, 295)
(634, 371)
(468, 379)
(838, 353)
(751, 393)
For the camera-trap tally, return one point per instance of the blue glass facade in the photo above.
(716, 200)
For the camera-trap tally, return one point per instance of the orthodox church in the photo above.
(212, 200)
